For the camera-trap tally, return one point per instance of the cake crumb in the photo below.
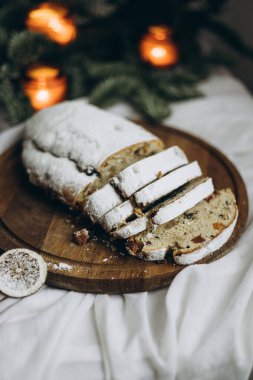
(80, 237)
(159, 175)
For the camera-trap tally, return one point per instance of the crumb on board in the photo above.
(61, 266)
(80, 237)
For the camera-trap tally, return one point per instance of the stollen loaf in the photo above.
(74, 148)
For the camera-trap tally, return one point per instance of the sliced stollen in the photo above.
(100, 202)
(95, 142)
(192, 236)
(149, 194)
(117, 216)
(141, 173)
(167, 184)
(194, 192)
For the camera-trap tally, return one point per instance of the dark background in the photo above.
(239, 14)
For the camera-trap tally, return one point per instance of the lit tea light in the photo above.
(54, 21)
(157, 48)
(44, 86)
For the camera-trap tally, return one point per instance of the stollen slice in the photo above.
(22, 272)
(100, 202)
(117, 216)
(149, 194)
(192, 236)
(167, 184)
(105, 199)
(194, 192)
(147, 170)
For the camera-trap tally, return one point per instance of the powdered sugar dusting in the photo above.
(83, 133)
(57, 173)
(19, 272)
(22, 272)
(143, 172)
(101, 201)
(62, 266)
(65, 145)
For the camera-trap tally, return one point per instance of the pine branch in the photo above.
(77, 81)
(17, 106)
(26, 48)
(175, 93)
(152, 106)
(104, 61)
(100, 70)
(135, 92)
(177, 76)
(111, 88)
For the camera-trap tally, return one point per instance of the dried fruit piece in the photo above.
(133, 246)
(198, 239)
(218, 226)
(81, 237)
(138, 211)
(159, 175)
(22, 272)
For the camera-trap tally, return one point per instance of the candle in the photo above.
(157, 48)
(54, 21)
(44, 86)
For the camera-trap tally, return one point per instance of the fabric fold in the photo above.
(200, 328)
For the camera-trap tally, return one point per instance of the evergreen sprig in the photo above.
(15, 102)
(103, 63)
(26, 48)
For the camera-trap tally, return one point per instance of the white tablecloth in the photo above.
(201, 328)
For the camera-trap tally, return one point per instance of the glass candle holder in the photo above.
(44, 86)
(157, 48)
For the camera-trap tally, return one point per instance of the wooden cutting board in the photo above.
(29, 219)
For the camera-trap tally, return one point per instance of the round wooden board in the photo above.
(30, 219)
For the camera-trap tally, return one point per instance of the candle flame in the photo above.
(53, 21)
(158, 52)
(42, 96)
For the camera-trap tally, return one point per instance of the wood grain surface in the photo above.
(28, 218)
